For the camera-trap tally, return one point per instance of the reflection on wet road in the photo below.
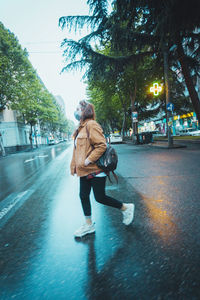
(17, 169)
(157, 257)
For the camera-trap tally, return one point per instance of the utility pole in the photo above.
(167, 96)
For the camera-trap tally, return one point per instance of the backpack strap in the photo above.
(108, 174)
(116, 178)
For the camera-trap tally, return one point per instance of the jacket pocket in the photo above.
(81, 149)
(81, 141)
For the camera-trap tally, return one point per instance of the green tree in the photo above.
(29, 104)
(22, 90)
(13, 67)
(137, 29)
(107, 106)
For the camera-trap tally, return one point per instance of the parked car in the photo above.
(115, 138)
(188, 131)
(52, 142)
(195, 132)
(184, 132)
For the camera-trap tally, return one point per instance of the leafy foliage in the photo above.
(21, 89)
(134, 30)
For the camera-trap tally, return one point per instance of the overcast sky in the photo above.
(35, 23)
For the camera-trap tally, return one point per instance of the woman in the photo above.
(89, 145)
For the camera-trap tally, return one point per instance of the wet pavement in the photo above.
(16, 170)
(157, 257)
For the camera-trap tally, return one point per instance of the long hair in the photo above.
(88, 111)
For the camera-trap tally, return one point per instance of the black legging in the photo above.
(98, 185)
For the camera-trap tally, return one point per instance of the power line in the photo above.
(42, 42)
(44, 52)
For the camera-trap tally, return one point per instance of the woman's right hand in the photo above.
(73, 171)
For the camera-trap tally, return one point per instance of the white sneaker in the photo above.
(128, 214)
(84, 229)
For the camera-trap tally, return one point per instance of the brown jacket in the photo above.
(91, 148)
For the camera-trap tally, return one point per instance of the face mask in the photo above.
(77, 114)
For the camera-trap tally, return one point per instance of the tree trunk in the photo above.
(2, 146)
(188, 81)
(36, 142)
(124, 116)
(124, 125)
(134, 125)
(30, 136)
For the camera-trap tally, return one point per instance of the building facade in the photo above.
(15, 135)
(178, 122)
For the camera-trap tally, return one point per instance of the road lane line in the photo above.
(5, 210)
(11, 204)
(29, 160)
(38, 156)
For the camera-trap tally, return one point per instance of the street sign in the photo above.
(135, 116)
(170, 106)
(156, 89)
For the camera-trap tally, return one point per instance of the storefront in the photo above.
(147, 126)
(179, 123)
(185, 121)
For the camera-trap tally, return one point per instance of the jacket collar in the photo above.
(83, 124)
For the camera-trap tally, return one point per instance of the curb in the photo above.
(175, 146)
(163, 145)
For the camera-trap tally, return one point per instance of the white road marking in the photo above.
(13, 202)
(5, 210)
(29, 160)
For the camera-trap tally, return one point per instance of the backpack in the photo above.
(108, 161)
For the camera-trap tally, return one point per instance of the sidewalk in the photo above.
(163, 144)
(158, 144)
(34, 150)
(28, 150)
(193, 140)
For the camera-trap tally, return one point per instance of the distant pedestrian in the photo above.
(85, 153)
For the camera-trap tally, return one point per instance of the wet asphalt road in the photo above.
(157, 257)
